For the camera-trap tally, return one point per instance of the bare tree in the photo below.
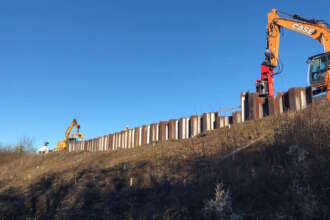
(25, 144)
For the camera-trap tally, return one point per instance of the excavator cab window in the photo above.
(72, 139)
(318, 65)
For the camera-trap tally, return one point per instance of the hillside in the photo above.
(276, 167)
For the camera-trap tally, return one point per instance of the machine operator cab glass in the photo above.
(318, 66)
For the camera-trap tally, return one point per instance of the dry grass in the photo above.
(20, 170)
(173, 180)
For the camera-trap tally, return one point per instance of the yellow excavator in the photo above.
(63, 144)
(319, 65)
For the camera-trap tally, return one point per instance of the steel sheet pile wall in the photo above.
(237, 117)
(194, 125)
(297, 99)
(110, 142)
(101, 143)
(163, 131)
(145, 134)
(137, 137)
(130, 138)
(92, 145)
(222, 121)
(116, 141)
(76, 146)
(252, 107)
(173, 129)
(123, 138)
(255, 107)
(183, 127)
(278, 108)
(243, 101)
(154, 132)
(208, 121)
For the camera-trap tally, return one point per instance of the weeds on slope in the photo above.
(284, 176)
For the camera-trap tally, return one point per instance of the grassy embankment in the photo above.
(281, 170)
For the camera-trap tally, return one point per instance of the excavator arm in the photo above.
(62, 145)
(311, 28)
(72, 125)
(315, 29)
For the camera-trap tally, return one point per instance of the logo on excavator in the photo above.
(304, 29)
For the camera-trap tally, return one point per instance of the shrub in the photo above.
(221, 206)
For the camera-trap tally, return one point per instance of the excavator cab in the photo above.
(319, 65)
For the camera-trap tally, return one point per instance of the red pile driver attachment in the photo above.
(265, 86)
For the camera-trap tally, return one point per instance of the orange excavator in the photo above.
(319, 65)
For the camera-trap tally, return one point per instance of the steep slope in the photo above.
(277, 167)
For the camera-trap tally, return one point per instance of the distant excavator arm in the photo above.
(62, 145)
(72, 125)
(311, 28)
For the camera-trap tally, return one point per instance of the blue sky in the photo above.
(117, 63)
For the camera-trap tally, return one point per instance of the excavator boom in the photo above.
(311, 28)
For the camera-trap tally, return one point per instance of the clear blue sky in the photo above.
(112, 63)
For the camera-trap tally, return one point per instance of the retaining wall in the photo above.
(154, 132)
(183, 128)
(173, 129)
(252, 107)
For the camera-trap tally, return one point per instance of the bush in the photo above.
(221, 206)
